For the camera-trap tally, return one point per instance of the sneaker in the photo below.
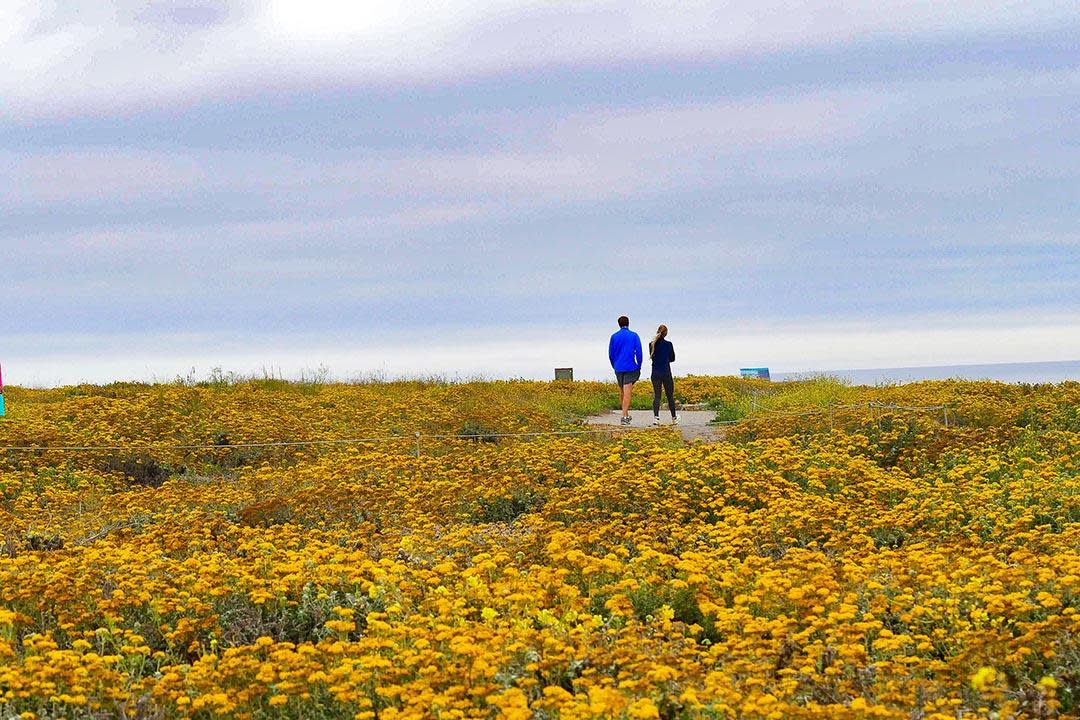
(625, 420)
(656, 420)
(674, 419)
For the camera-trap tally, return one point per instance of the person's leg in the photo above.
(669, 388)
(626, 392)
(657, 388)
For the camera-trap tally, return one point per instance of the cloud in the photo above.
(715, 348)
(592, 152)
(868, 135)
(825, 200)
(104, 174)
(219, 177)
(65, 58)
(178, 16)
(599, 154)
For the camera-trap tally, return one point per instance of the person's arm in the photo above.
(640, 356)
(671, 346)
(611, 351)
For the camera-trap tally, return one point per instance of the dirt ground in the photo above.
(693, 424)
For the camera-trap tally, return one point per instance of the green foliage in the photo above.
(758, 397)
(725, 412)
(477, 432)
(140, 470)
(507, 508)
(297, 622)
(806, 392)
(649, 599)
(888, 537)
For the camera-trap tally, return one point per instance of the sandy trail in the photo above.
(693, 424)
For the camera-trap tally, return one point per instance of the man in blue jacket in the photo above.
(624, 352)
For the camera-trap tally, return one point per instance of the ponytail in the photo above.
(661, 333)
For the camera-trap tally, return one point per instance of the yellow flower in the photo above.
(541, 575)
(983, 677)
(643, 708)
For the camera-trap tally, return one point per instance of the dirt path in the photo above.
(693, 424)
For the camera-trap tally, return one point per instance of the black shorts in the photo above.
(627, 378)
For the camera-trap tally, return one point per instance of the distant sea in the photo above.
(1028, 372)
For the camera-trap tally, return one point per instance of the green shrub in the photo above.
(508, 507)
(476, 432)
(141, 470)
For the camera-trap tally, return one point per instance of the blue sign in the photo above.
(1, 404)
(757, 373)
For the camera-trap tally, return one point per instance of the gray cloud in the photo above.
(707, 193)
(85, 55)
(189, 15)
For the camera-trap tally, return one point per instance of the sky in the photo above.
(473, 188)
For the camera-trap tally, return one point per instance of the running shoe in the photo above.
(674, 419)
(656, 420)
(625, 420)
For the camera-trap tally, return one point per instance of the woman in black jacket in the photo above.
(662, 353)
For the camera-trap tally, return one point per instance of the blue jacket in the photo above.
(624, 350)
(663, 354)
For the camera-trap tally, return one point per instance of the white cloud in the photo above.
(825, 198)
(886, 134)
(719, 348)
(89, 56)
(111, 174)
(776, 121)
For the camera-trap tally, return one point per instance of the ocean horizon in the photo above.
(1023, 372)
(58, 372)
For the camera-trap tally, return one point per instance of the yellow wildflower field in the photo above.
(860, 561)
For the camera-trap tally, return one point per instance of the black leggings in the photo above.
(668, 385)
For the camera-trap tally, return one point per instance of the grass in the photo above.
(814, 391)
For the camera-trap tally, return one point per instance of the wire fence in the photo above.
(833, 409)
(418, 437)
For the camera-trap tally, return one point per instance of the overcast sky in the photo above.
(483, 187)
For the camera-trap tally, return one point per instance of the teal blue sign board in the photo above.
(1, 393)
(759, 373)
